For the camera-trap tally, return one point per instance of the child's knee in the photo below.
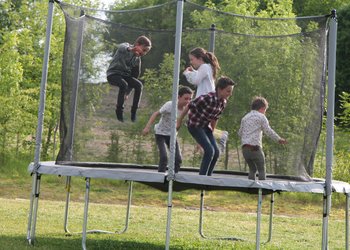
(210, 151)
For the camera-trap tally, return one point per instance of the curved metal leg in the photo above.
(201, 215)
(272, 201)
(31, 207)
(68, 186)
(86, 208)
(33, 210)
(326, 209)
(126, 217)
(201, 222)
(169, 211)
(258, 220)
(347, 222)
(127, 210)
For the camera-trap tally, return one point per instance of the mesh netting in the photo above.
(281, 59)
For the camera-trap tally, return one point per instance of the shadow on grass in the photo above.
(67, 243)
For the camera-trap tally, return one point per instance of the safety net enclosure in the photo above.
(282, 59)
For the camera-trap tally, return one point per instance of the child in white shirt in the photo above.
(202, 73)
(252, 127)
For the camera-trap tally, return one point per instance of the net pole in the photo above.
(34, 197)
(179, 18)
(212, 38)
(171, 175)
(72, 113)
(74, 97)
(39, 131)
(332, 43)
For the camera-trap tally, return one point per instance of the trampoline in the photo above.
(188, 178)
(299, 44)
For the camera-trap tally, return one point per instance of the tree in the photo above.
(22, 49)
(344, 117)
(10, 77)
(343, 55)
(316, 7)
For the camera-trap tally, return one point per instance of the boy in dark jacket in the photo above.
(124, 71)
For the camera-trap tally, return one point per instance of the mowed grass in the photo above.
(147, 227)
(297, 220)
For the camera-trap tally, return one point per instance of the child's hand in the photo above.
(282, 141)
(178, 125)
(189, 68)
(145, 131)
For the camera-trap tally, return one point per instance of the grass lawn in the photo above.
(297, 225)
(297, 220)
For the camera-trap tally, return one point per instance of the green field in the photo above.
(297, 220)
(297, 216)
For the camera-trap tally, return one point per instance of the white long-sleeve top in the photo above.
(202, 78)
(252, 127)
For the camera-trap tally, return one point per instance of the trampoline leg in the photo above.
(68, 187)
(170, 206)
(201, 215)
(326, 208)
(86, 207)
(258, 220)
(127, 217)
(347, 222)
(33, 209)
(271, 217)
(127, 210)
(30, 215)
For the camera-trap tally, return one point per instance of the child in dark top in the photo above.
(124, 71)
(203, 114)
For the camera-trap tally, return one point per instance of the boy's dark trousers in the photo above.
(163, 142)
(126, 84)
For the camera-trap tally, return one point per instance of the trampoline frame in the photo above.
(328, 186)
(201, 215)
(127, 216)
(128, 208)
(186, 176)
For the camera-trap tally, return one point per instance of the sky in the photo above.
(106, 3)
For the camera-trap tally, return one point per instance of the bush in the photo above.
(15, 165)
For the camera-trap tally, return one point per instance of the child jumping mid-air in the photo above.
(124, 71)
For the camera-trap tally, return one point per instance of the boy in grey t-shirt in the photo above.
(163, 128)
